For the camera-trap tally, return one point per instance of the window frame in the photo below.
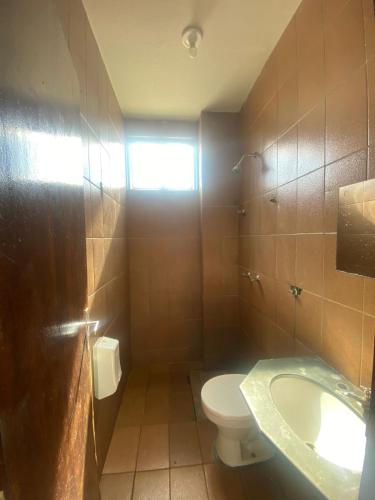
(161, 140)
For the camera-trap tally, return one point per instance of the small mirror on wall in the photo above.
(356, 229)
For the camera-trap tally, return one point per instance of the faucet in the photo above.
(364, 400)
(253, 277)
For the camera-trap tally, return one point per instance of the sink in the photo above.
(321, 420)
(302, 405)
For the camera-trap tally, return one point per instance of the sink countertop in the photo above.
(334, 482)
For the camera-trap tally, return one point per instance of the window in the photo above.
(160, 165)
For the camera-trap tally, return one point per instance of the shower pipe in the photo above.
(238, 166)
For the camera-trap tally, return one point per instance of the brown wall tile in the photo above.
(286, 54)
(276, 342)
(220, 147)
(339, 286)
(324, 67)
(287, 208)
(309, 316)
(285, 308)
(286, 258)
(367, 350)
(309, 262)
(343, 327)
(346, 130)
(268, 213)
(265, 255)
(288, 104)
(310, 54)
(344, 43)
(369, 297)
(102, 155)
(287, 157)
(310, 202)
(371, 99)
(368, 13)
(311, 137)
(96, 212)
(269, 124)
(267, 169)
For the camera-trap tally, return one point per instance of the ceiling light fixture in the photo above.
(191, 39)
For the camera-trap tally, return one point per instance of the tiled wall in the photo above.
(164, 262)
(104, 182)
(165, 276)
(219, 151)
(311, 115)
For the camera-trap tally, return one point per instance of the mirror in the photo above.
(356, 229)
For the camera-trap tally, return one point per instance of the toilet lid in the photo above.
(222, 396)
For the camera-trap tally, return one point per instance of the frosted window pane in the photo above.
(162, 165)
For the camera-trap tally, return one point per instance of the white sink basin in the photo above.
(321, 420)
(312, 414)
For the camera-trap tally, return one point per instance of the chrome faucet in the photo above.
(364, 400)
(253, 277)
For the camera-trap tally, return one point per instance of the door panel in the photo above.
(44, 368)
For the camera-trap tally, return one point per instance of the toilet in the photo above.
(239, 441)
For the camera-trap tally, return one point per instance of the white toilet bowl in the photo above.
(239, 441)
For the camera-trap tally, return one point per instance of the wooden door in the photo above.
(44, 363)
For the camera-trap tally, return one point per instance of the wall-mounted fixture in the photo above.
(295, 290)
(253, 277)
(241, 211)
(191, 39)
(106, 366)
(238, 166)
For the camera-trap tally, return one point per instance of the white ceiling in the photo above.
(151, 72)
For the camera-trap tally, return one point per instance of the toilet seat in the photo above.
(223, 402)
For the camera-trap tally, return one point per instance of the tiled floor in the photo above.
(161, 450)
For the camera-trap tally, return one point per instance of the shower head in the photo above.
(237, 169)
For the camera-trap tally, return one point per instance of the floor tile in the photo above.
(164, 394)
(157, 405)
(153, 448)
(181, 407)
(122, 453)
(207, 432)
(138, 379)
(151, 485)
(132, 408)
(188, 483)
(184, 444)
(196, 387)
(159, 379)
(116, 486)
(223, 483)
(179, 381)
(157, 368)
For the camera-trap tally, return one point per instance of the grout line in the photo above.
(170, 483)
(133, 484)
(260, 194)
(118, 276)
(275, 235)
(320, 296)
(107, 238)
(140, 428)
(309, 110)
